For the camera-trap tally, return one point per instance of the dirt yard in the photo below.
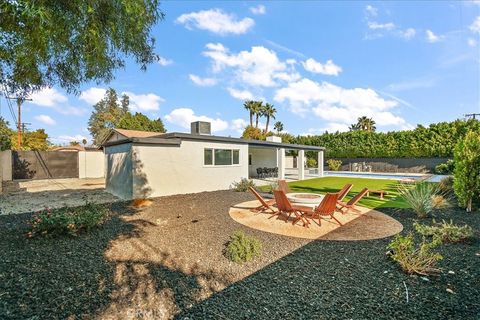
(34, 195)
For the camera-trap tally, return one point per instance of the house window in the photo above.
(221, 157)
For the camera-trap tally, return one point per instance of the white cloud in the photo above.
(257, 67)
(381, 26)
(216, 21)
(183, 117)
(47, 97)
(336, 104)
(164, 61)
(475, 26)
(65, 139)
(241, 94)
(408, 33)
(330, 127)
(69, 110)
(45, 120)
(432, 37)
(92, 95)
(144, 102)
(202, 82)
(329, 68)
(260, 9)
(239, 125)
(472, 42)
(371, 10)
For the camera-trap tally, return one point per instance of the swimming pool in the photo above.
(394, 176)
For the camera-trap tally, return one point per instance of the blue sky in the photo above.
(322, 65)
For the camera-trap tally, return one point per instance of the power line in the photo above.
(472, 115)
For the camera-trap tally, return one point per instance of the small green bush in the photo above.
(311, 163)
(243, 185)
(412, 259)
(445, 231)
(445, 168)
(242, 248)
(423, 198)
(71, 221)
(334, 165)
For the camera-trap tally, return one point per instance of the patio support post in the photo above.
(301, 165)
(281, 163)
(320, 163)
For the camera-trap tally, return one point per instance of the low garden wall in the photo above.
(410, 165)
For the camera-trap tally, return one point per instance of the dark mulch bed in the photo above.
(167, 261)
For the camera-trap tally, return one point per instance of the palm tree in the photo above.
(249, 105)
(366, 124)
(257, 107)
(278, 126)
(268, 111)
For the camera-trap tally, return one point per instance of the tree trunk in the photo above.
(469, 205)
(251, 119)
(256, 121)
(266, 126)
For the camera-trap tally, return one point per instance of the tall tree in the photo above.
(249, 106)
(106, 115)
(363, 124)
(278, 126)
(31, 140)
(67, 43)
(257, 107)
(139, 121)
(5, 135)
(268, 111)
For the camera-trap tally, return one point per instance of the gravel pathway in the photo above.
(166, 261)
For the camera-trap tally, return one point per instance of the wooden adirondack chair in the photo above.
(264, 204)
(282, 185)
(326, 208)
(284, 206)
(350, 205)
(345, 190)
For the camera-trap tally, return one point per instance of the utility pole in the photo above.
(472, 115)
(19, 119)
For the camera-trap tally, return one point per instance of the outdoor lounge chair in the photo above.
(345, 190)
(284, 206)
(350, 205)
(282, 185)
(327, 207)
(265, 204)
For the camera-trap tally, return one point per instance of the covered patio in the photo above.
(268, 161)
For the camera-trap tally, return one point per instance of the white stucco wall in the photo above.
(6, 165)
(166, 170)
(91, 164)
(262, 157)
(119, 177)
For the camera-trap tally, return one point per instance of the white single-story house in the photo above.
(153, 164)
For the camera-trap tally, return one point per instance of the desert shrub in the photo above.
(445, 168)
(243, 185)
(445, 231)
(334, 165)
(412, 258)
(311, 163)
(445, 186)
(273, 186)
(423, 198)
(71, 221)
(467, 170)
(243, 248)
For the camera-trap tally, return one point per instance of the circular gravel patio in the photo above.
(367, 225)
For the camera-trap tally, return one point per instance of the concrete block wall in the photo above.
(91, 164)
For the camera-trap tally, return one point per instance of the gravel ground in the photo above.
(166, 261)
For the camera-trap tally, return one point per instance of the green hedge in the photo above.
(436, 140)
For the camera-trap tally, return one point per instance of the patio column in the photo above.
(281, 163)
(301, 165)
(320, 163)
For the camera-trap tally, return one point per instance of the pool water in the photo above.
(399, 176)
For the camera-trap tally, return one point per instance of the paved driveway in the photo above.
(34, 195)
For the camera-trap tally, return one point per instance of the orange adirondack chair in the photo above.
(264, 204)
(350, 205)
(284, 206)
(345, 190)
(282, 185)
(326, 208)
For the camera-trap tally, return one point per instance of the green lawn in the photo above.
(334, 184)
